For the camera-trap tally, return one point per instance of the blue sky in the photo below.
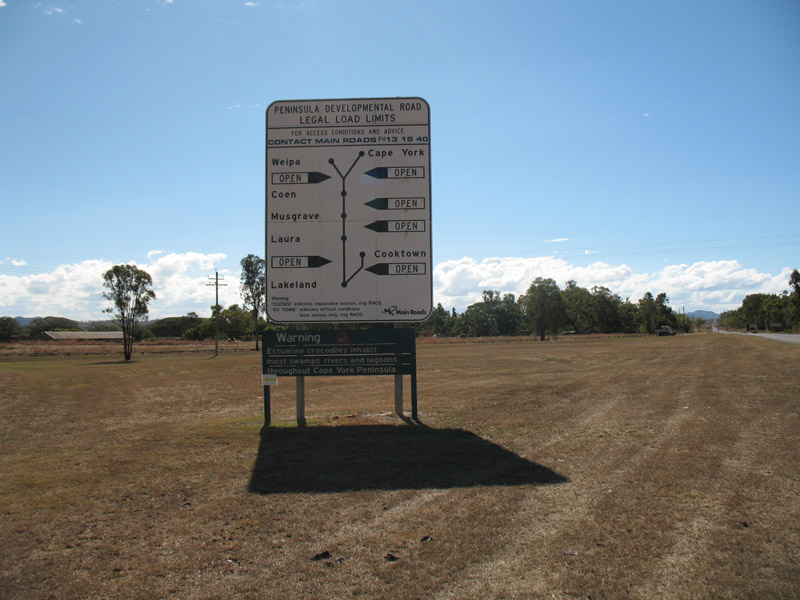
(636, 145)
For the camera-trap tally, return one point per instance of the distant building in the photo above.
(75, 336)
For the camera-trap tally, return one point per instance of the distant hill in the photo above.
(24, 321)
(49, 323)
(106, 325)
(706, 315)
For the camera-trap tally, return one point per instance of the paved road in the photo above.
(786, 338)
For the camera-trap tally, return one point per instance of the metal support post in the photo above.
(414, 412)
(398, 387)
(267, 410)
(300, 391)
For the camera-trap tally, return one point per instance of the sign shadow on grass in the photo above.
(386, 457)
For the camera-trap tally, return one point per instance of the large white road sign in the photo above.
(348, 210)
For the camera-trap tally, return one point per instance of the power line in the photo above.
(765, 241)
(643, 249)
(24, 269)
(216, 285)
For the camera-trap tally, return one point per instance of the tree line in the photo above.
(544, 310)
(547, 310)
(774, 312)
(129, 292)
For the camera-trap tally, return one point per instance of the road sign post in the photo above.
(348, 222)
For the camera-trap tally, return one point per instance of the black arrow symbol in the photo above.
(317, 177)
(412, 172)
(379, 269)
(317, 261)
(379, 226)
(378, 203)
(415, 226)
(378, 172)
(298, 262)
(397, 269)
(414, 203)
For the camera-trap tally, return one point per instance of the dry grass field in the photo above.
(619, 468)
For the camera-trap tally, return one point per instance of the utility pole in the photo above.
(216, 285)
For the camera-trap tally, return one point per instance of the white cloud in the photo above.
(714, 285)
(15, 262)
(53, 10)
(588, 252)
(63, 291)
(77, 21)
(184, 282)
(460, 282)
(180, 281)
(557, 240)
(251, 4)
(2, 4)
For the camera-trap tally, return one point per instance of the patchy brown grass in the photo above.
(620, 468)
(103, 347)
